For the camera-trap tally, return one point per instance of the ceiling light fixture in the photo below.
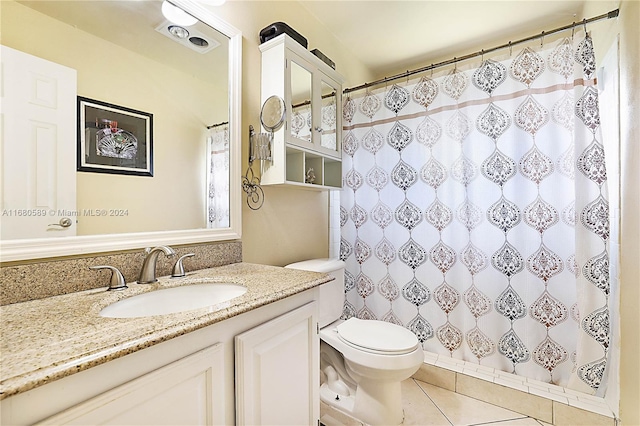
(177, 15)
(192, 38)
(178, 31)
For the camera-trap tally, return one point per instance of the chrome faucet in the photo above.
(148, 270)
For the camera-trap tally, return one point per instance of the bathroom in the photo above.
(293, 225)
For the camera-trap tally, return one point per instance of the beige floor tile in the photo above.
(437, 376)
(418, 408)
(527, 421)
(564, 415)
(330, 420)
(502, 396)
(462, 410)
(329, 416)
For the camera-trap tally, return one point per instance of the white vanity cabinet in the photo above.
(311, 137)
(189, 391)
(190, 379)
(276, 367)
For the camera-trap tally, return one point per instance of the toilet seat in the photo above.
(378, 337)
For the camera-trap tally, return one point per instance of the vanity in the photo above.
(251, 360)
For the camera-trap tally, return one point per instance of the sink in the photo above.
(173, 300)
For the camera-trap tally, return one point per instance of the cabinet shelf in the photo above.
(311, 137)
(326, 170)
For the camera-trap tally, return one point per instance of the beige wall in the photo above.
(293, 224)
(174, 197)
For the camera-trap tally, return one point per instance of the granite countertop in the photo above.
(47, 339)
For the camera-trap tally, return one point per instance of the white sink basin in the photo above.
(173, 300)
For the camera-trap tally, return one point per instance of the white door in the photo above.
(38, 146)
(278, 371)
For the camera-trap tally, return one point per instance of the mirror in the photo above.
(329, 117)
(128, 59)
(300, 102)
(273, 113)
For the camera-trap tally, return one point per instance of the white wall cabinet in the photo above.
(190, 379)
(311, 137)
(277, 382)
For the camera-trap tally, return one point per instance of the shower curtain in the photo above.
(218, 177)
(474, 212)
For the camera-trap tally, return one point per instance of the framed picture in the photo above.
(114, 139)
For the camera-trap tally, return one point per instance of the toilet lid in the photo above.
(377, 336)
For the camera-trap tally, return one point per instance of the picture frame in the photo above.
(114, 139)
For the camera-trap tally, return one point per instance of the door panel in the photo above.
(38, 116)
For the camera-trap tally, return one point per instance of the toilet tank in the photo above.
(332, 293)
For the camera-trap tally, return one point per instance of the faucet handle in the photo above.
(117, 280)
(178, 268)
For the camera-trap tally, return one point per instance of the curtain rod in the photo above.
(608, 15)
(308, 102)
(217, 125)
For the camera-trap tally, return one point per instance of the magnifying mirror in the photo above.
(273, 113)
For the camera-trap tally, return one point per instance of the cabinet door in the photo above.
(328, 116)
(277, 371)
(300, 101)
(189, 391)
(315, 105)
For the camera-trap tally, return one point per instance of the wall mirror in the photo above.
(181, 81)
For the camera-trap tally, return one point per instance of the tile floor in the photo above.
(448, 392)
(543, 401)
(426, 404)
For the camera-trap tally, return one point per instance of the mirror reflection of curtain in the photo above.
(328, 116)
(218, 177)
(301, 121)
(475, 213)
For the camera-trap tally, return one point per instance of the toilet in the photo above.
(362, 362)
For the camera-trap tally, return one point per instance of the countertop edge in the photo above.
(27, 381)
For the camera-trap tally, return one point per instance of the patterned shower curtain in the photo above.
(474, 212)
(218, 177)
